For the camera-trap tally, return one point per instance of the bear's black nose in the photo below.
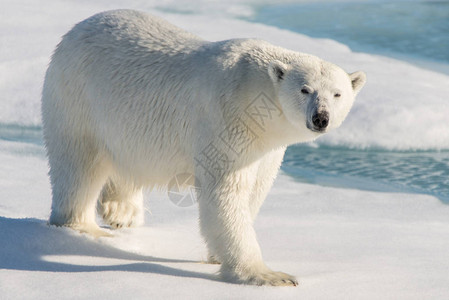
(320, 120)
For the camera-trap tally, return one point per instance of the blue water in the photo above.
(414, 30)
(375, 170)
(417, 29)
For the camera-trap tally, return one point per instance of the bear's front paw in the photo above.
(273, 278)
(262, 277)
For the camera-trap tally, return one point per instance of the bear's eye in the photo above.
(305, 91)
(337, 95)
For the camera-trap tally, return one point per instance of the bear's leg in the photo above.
(266, 173)
(121, 204)
(77, 173)
(227, 226)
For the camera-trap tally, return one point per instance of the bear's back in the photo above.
(130, 30)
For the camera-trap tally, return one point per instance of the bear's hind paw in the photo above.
(120, 214)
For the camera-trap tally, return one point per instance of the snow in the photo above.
(340, 243)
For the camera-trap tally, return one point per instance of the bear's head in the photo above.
(315, 95)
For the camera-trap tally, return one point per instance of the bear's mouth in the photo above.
(315, 129)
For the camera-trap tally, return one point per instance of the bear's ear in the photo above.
(358, 80)
(277, 70)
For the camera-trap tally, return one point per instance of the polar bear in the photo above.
(130, 101)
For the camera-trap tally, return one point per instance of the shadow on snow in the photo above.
(26, 243)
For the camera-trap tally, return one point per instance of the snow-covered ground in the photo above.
(340, 243)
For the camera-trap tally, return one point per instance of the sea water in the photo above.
(377, 170)
(412, 29)
(417, 31)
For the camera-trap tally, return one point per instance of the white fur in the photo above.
(130, 100)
